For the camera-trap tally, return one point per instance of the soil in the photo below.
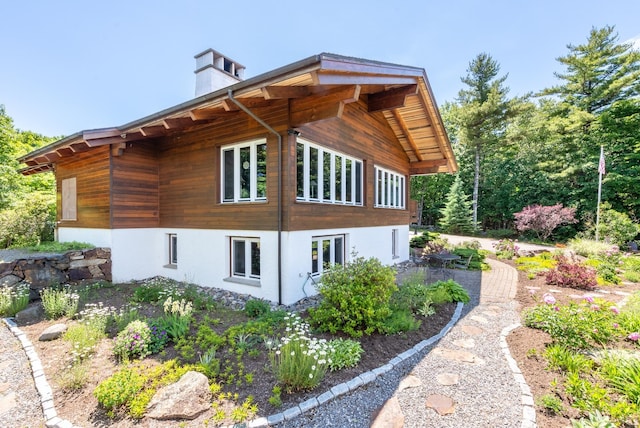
(526, 346)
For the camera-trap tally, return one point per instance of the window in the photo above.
(327, 176)
(395, 243)
(390, 189)
(173, 249)
(69, 200)
(326, 251)
(244, 172)
(245, 258)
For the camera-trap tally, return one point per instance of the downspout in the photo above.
(279, 195)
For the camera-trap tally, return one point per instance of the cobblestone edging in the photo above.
(528, 405)
(42, 386)
(528, 413)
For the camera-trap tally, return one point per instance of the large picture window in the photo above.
(390, 189)
(326, 251)
(327, 176)
(245, 258)
(244, 171)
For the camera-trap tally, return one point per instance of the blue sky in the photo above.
(66, 66)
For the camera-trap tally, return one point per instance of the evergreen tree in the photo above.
(457, 216)
(480, 117)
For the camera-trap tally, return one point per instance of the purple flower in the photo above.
(615, 325)
(615, 310)
(589, 299)
(595, 307)
(548, 299)
(634, 336)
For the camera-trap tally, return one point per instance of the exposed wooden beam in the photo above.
(118, 149)
(79, 147)
(52, 156)
(322, 106)
(153, 131)
(316, 113)
(178, 123)
(405, 130)
(285, 92)
(426, 167)
(64, 151)
(100, 133)
(393, 98)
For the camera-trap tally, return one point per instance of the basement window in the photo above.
(325, 252)
(172, 250)
(245, 258)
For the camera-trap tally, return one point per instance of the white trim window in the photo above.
(245, 258)
(327, 176)
(244, 171)
(395, 243)
(326, 251)
(172, 249)
(390, 189)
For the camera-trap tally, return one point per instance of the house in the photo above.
(255, 185)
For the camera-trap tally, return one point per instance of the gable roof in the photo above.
(318, 87)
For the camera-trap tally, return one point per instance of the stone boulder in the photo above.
(32, 314)
(52, 332)
(185, 399)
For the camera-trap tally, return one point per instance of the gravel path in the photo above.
(20, 404)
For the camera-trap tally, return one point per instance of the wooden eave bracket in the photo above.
(321, 106)
(391, 99)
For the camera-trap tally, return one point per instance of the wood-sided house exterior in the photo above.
(256, 186)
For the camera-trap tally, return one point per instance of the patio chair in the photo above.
(463, 264)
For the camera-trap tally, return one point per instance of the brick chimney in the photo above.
(215, 71)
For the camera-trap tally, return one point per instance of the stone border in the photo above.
(528, 405)
(42, 386)
(528, 412)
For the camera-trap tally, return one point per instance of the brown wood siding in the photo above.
(134, 197)
(362, 135)
(189, 166)
(91, 169)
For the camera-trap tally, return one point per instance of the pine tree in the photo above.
(457, 215)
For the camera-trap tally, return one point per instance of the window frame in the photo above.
(248, 258)
(257, 174)
(334, 189)
(390, 189)
(172, 250)
(395, 243)
(317, 259)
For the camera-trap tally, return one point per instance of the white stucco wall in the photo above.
(204, 255)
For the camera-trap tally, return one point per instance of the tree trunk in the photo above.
(476, 185)
(420, 208)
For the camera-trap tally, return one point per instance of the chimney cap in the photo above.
(217, 54)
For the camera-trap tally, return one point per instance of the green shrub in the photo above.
(13, 299)
(412, 294)
(355, 298)
(255, 308)
(344, 353)
(133, 341)
(623, 375)
(59, 302)
(84, 339)
(562, 359)
(177, 317)
(453, 289)
(399, 321)
(420, 241)
(594, 420)
(551, 403)
(477, 256)
(28, 221)
(537, 264)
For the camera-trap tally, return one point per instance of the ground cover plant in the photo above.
(119, 351)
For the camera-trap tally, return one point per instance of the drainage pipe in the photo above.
(279, 195)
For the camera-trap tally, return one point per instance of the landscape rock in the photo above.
(9, 281)
(185, 399)
(30, 315)
(52, 332)
(389, 415)
(448, 379)
(441, 403)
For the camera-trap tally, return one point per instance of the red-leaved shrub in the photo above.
(572, 274)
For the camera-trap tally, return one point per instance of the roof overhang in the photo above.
(317, 88)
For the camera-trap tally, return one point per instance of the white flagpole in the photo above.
(600, 172)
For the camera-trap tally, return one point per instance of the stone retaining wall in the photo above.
(43, 271)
